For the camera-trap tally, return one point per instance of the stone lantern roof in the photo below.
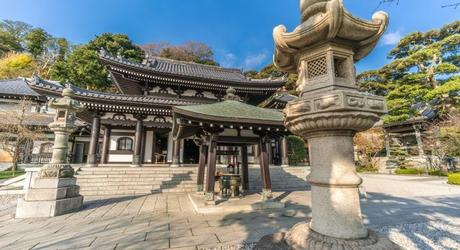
(326, 21)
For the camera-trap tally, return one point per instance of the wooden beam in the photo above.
(245, 167)
(265, 170)
(211, 170)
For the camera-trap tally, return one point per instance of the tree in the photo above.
(368, 145)
(188, 52)
(8, 43)
(297, 151)
(16, 65)
(399, 157)
(36, 41)
(16, 131)
(271, 71)
(17, 29)
(422, 64)
(443, 141)
(82, 67)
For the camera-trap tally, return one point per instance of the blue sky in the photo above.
(239, 31)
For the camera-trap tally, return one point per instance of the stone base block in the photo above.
(47, 194)
(301, 237)
(54, 182)
(35, 209)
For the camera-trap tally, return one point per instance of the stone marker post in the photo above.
(54, 191)
(328, 113)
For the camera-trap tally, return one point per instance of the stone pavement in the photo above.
(416, 212)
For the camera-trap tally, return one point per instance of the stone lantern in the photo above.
(54, 191)
(328, 113)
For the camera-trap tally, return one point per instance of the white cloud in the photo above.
(254, 60)
(228, 60)
(392, 38)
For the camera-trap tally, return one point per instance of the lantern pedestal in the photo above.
(49, 197)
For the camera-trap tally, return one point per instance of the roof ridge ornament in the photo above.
(231, 95)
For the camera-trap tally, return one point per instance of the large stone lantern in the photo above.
(328, 113)
(54, 191)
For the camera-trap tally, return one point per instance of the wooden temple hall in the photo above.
(173, 113)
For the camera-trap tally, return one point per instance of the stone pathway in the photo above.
(167, 221)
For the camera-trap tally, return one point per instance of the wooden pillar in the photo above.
(154, 147)
(387, 143)
(142, 154)
(95, 130)
(245, 167)
(201, 168)
(265, 170)
(284, 152)
(176, 153)
(106, 145)
(138, 143)
(256, 154)
(418, 137)
(211, 170)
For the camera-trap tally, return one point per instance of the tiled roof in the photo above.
(190, 69)
(232, 111)
(53, 88)
(16, 87)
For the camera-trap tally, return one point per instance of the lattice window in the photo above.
(317, 67)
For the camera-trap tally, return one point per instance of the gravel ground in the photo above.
(423, 236)
(426, 235)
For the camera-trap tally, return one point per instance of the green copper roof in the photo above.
(232, 111)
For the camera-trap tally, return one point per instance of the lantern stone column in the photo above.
(54, 192)
(328, 113)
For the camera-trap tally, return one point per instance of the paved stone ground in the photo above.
(418, 213)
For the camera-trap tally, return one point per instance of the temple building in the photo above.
(136, 126)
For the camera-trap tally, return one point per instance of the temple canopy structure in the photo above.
(229, 123)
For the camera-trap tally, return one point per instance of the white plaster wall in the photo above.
(120, 158)
(148, 146)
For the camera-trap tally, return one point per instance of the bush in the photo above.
(364, 169)
(454, 179)
(404, 171)
(437, 172)
(297, 152)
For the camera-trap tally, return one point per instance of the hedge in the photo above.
(297, 153)
(454, 179)
(403, 171)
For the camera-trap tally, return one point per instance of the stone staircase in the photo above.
(135, 181)
(106, 181)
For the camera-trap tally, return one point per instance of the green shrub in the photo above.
(297, 152)
(437, 172)
(364, 169)
(10, 174)
(403, 171)
(454, 179)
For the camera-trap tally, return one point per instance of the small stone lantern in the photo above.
(54, 191)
